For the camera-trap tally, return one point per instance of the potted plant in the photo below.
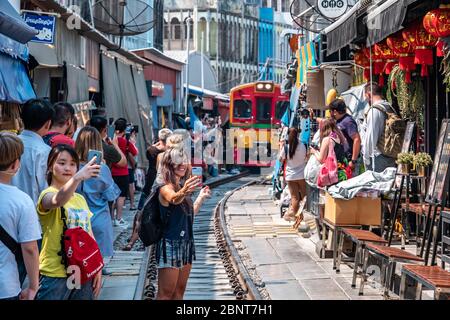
(421, 161)
(405, 160)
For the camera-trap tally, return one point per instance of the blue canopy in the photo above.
(12, 25)
(15, 85)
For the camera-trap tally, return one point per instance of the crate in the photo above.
(356, 211)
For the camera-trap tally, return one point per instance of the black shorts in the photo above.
(131, 178)
(122, 183)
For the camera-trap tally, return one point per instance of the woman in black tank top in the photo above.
(176, 251)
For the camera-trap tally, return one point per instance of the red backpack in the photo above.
(80, 249)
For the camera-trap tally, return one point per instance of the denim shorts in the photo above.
(51, 288)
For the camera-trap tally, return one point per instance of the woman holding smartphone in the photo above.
(97, 191)
(175, 251)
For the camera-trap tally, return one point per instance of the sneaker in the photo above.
(116, 223)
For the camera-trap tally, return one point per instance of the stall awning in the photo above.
(15, 85)
(205, 92)
(12, 25)
(343, 31)
(45, 54)
(306, 57)
(386, 19)
(77, 85)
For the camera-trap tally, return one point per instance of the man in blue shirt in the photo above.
(349, 128)
(31, 178)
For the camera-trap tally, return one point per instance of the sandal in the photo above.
(298, 220)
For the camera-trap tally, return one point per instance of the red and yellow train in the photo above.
(256, 110)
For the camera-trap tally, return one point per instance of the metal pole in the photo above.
(203, 78)
(186, 92)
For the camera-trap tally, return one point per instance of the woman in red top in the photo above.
(120, 174)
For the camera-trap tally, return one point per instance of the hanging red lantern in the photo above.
(423, 44)
(377, 63)
(405, 54)
(362, 60)
(437, 23)
(388, 55)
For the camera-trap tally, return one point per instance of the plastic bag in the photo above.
(312, 171)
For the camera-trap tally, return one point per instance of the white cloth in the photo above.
(31, 177)
(369, 180)
(295, 167)
(19, 218)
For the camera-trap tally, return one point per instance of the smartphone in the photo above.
(136, 129)
(198, 172)
(111, 131)
(93, 153)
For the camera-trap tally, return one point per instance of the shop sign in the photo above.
(332, 8)
(44, 24)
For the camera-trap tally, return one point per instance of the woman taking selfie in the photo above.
(97, 191)
(63, 178)
(175, 251)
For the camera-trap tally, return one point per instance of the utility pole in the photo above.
(186, 92)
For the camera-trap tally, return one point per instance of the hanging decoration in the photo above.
(437, 23)
(387, 54)
(405, 54)
(423, 44)
(362, 60)
(377, 63)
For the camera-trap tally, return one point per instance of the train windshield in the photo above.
(280, 109)
(242, 109)
(263, 109)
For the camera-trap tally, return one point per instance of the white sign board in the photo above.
(332, 9)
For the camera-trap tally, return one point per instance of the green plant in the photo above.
(409, 97)
(422, 159)
(405, 158)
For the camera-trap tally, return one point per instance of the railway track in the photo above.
(218, 272)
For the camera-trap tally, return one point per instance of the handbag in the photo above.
(328, 173)
(80, 249)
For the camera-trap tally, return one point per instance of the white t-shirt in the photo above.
(295, 167)
(19, 218)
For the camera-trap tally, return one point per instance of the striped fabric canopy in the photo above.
(306, 57)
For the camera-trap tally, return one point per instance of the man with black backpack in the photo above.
(384, 131)
(19, 227)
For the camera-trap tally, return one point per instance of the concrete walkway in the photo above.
(285, 261)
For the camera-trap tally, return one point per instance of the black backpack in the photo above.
(16, 249)
(152, 225)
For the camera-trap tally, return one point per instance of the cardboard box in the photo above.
(357, 211)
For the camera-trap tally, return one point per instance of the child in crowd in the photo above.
(63, 179)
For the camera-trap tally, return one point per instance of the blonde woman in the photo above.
(175, 251)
